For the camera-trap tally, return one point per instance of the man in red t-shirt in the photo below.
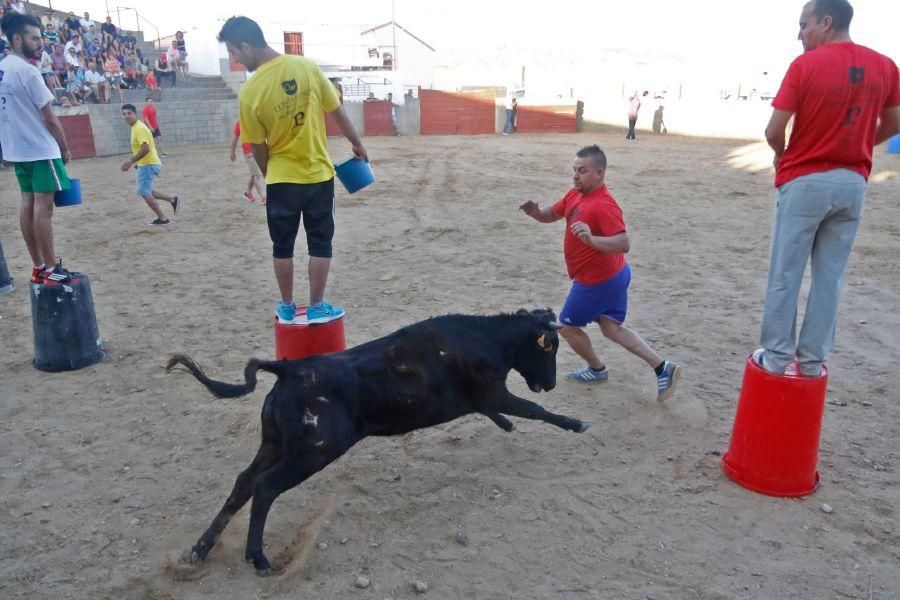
(150, 118)
(256, 176)
(594, 246)
(845, 99)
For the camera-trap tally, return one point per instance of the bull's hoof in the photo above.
(261, 564)
(582, 427)
(198, 554)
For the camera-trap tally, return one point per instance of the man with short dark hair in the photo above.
(844, 99)
(282, 117)
(594, 247)
(148, 165)
(33, 139)
(151, 119)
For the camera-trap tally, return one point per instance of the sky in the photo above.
(719, 31)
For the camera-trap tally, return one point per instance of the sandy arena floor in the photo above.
(107, 474)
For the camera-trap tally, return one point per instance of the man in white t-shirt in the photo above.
(86, 23)
(33, 140)
(75, 42)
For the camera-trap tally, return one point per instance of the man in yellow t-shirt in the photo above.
(148, 165)
(282, 118)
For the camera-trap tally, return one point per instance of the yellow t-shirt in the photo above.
(282, 106)
(140, 134)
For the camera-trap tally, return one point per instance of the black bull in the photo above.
(422, 375)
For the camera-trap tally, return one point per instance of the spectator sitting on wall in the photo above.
(50, 34)
(182, 52)
(109, 30)
(86, 24)
(74, 84)
(112, 70)
(172, 56)
(152, 85)
(65, 33)
(48, 19)
(371, 97)
(164, 69)
(96, 81)
(408, 95)
(59, 63)
(72, 60)
(75, 43)
(93, 36)
(129, 38)
(46, 68)
(73, 22)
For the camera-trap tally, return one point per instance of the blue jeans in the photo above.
(510, 115)
(816, 219)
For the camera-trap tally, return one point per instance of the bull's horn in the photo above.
(555, 325)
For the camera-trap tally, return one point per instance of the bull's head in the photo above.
(535, 357)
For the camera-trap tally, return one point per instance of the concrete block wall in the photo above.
(408, 117)
(182, 124)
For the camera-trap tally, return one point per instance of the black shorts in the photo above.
(287, 203)
(156, 132)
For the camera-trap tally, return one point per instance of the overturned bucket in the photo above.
(774, 445)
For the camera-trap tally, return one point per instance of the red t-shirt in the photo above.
(149, 114)
(237, 133)
(599, 211)
(837, 93)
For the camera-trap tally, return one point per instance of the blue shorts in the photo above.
(587, 303)
(145, 177)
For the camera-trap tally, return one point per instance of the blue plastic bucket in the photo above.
(894, 144)
(69, 197)
(355, 174)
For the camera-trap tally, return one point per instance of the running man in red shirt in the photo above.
(595, 244)
(150, 118)
(845, 99)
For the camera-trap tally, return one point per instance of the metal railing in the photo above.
(137, 20)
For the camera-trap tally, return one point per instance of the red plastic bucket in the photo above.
(299, 340)
(774, 446)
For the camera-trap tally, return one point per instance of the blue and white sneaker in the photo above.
(322, 312)
(667, 381)
(286, 311)
(588, 374)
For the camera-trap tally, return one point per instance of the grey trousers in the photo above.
(815, 219)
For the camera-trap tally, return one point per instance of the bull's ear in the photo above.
(543, 344)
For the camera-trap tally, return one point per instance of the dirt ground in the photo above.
(107, 474)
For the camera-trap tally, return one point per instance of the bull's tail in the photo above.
(219, 388)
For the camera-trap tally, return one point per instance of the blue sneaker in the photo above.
(666, 382)
(588, 374)
(286, 311)
(322, 312)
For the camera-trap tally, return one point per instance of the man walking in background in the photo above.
(282, 118)
(150, 118)
(845, 99)
(32, 139)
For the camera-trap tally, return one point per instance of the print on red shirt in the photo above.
(837, 93)
(599, 211)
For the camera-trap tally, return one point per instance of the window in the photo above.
(293, 43)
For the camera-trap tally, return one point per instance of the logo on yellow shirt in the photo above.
(289, 87)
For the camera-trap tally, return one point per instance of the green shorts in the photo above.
(42, 176)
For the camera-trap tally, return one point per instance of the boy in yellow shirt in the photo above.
(148, 165)
(282, 118)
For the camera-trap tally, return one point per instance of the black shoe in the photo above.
(159, 222)
(175, 206)
(58, 274)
